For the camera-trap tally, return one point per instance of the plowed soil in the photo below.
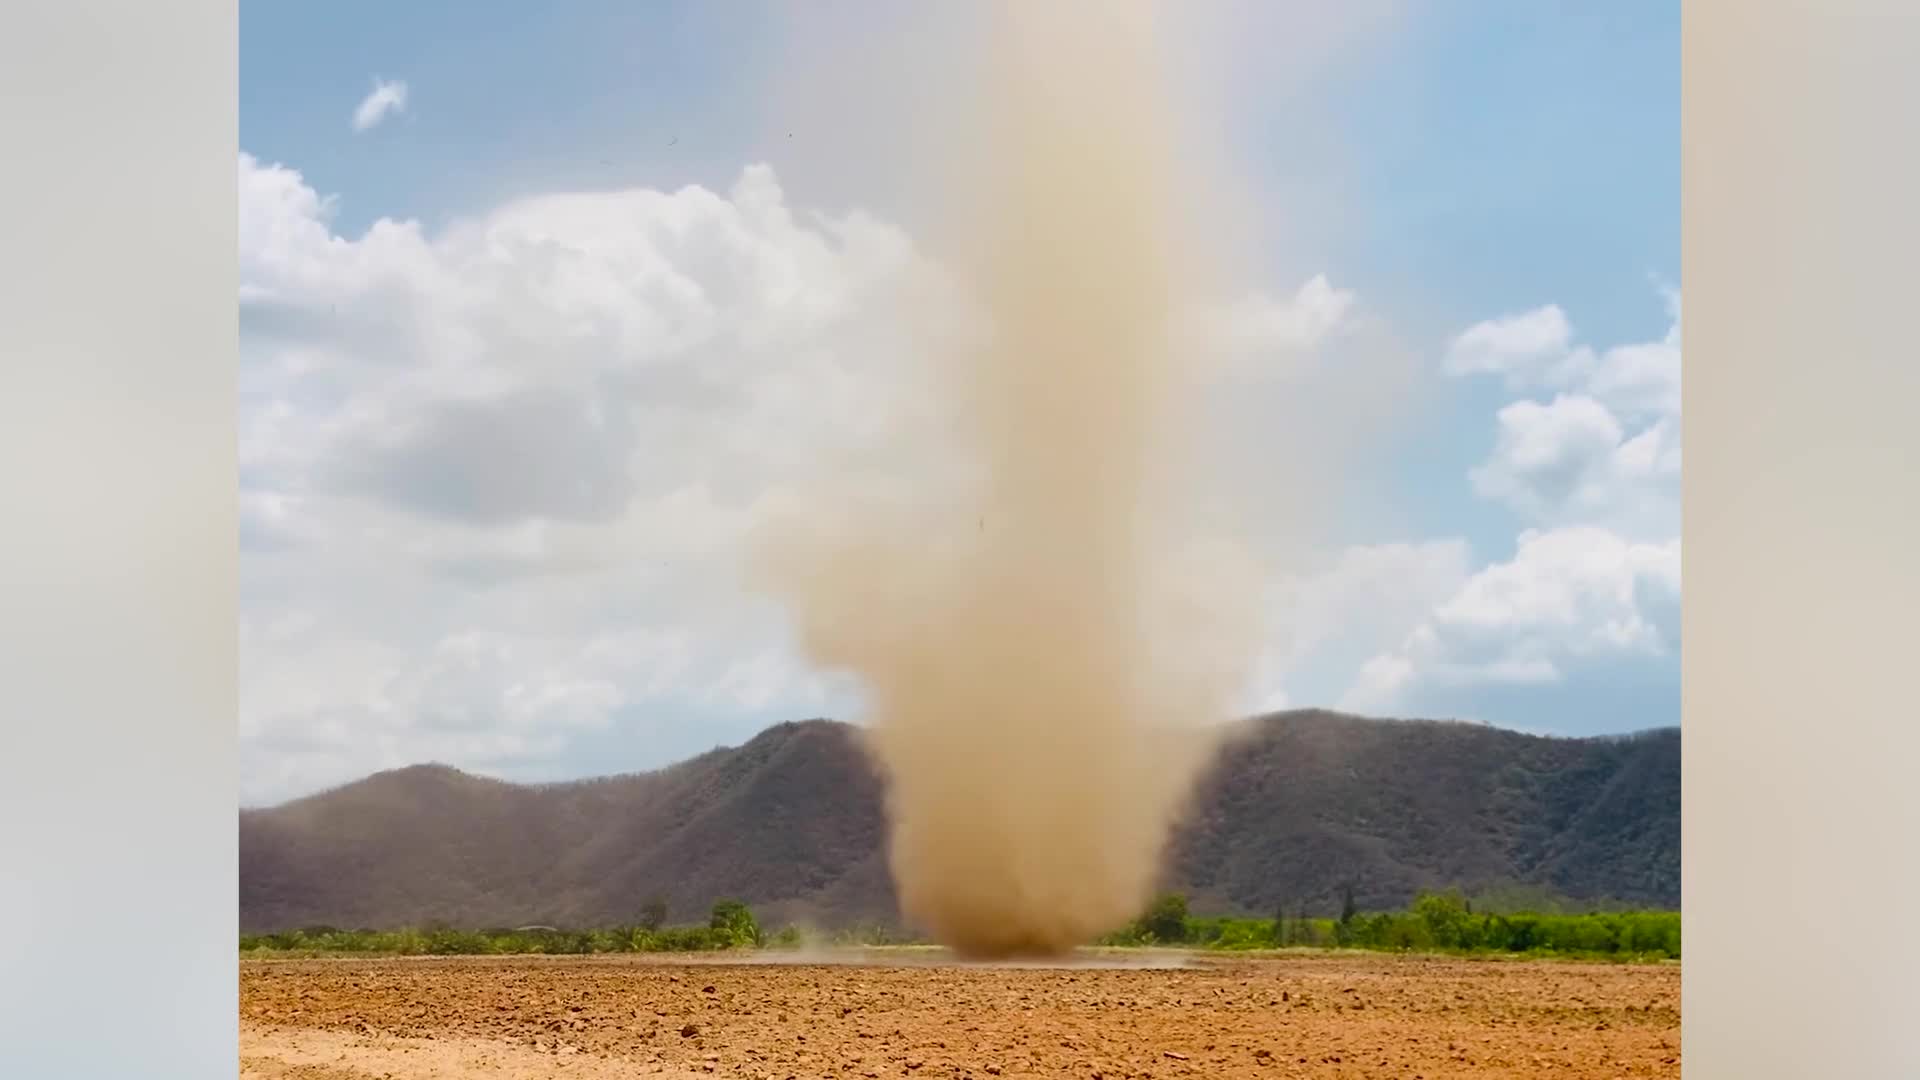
(1309, 1015)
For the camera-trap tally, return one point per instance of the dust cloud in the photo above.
(1043, 654)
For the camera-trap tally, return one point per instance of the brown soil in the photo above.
(1348, 1015)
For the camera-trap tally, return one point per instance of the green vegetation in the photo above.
(733, 926)
(1165, 922)
(1441, 922)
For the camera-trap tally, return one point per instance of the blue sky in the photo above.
(1511, 167)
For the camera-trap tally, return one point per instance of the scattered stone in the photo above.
(689, 1031)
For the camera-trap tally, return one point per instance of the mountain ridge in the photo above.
(1296, 807)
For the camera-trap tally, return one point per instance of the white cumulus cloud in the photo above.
(1593, 465)
(1604, 447)
(1329, 619)
(1573, 595)
(1512, 345)
(385, 99)
(1260, 329)
(497, 478)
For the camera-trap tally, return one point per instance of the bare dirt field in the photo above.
(1308, 1015)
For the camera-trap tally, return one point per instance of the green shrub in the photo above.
(1165, 923)
(457, 943)
(733, 925)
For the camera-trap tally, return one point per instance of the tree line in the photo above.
(1434, 922)
(730, 925)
